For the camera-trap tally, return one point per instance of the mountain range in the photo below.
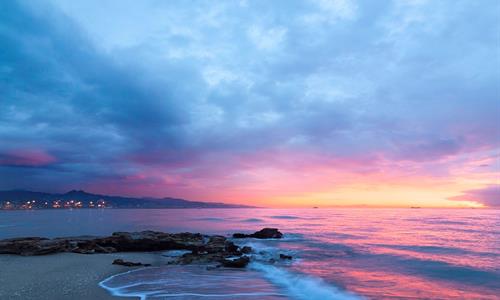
(22, 199)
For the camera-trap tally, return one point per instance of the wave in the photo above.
(300, 286)
(192, 282)
(261, 280)
(297, 286)
(285, 217)
(339, 235)
(436, 249)
(435, 269)
(210, 219)
(253, 220)
(175, 253)
(121, 290)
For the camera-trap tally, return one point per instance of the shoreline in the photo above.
(73, 267)
(65, 275)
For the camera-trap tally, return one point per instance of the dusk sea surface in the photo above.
(337, 253)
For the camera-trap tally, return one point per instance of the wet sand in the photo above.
(63, 276)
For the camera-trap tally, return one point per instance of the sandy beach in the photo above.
(64, 275)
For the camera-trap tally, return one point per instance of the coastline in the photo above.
(73, 267)
(65, 275)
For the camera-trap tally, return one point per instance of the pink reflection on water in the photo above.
(379, 253)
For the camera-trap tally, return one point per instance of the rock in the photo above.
(266, 233)
(240, 236)
(215, 244)
(83, 251)
(246, 250)
(100, 249)
(230, 247)
(122, 262)
(239, 262)
(118, 242)
(32, 246)
(199, 249)
(92, 248)
(284, 256)
(151, 241)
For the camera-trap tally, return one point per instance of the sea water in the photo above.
(337, 253)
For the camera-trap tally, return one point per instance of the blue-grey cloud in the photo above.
(110, 90)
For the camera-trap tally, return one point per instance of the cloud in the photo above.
(215, 93)
(488, 196)
(267, 39)
(22, 157)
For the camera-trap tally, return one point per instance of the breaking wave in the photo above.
(299, 286)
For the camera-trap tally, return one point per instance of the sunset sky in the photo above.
(268, 103)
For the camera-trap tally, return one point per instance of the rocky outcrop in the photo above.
(246, 250)
(266, 233)
(150, 241)
(117, 242)
(203, 249)
(237, 262)
(284, 256)
(125, 263)
(33, 246)
(218, 249)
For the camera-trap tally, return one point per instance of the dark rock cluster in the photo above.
(125, 263)
(117, 242)
(266, 233)
(203, 249)
(284, 256)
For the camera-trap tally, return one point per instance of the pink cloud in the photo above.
(489, 196)
(24, 157)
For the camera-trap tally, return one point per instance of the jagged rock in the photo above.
(284, 256)
(118, 242)
(202, 249)
(100, 249)
(215, 244)
(92, 248)
(151, 241)
(122, 262)
(266, 233)
(230, 247)
(239, 262)
(240, 235)
(83, 251)
(246, 250)
(32, 246)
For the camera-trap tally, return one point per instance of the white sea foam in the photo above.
(300, 286)
(175, 253)
(192, 282)
(121, 291)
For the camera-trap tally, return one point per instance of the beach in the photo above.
(64, 275)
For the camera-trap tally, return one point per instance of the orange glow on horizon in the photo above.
(305, 180)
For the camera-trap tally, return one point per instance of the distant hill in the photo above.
(21, 199)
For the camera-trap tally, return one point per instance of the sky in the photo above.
(268, 103)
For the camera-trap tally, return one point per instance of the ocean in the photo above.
(341, 253)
